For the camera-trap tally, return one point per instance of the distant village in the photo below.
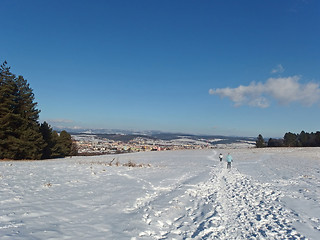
(97, 145)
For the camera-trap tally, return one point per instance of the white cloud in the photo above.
(278, 69)
(63, 123)
(60, 121)
(283, 90)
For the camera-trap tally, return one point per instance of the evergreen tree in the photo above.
(275, 142)
(303, 139)
(20, 137)
(260, 143)
(290, 139)
(56, 150)
(46, 132)
(311, 140)
(65, 141)
(57, 146)
(317, 139)
(74, 149)
(7, 90)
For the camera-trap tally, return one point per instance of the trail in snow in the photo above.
(230, 205)
(268, 194)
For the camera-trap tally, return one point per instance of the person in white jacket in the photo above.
(220, 157)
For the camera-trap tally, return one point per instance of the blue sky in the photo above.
(205, 67)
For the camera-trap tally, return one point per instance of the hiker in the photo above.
(229, 160)
(220, 157)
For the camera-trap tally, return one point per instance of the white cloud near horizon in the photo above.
(278, 69)
(63, 123)
(60, 120)
(284, 90)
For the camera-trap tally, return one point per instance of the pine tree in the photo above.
(46, 132)
(57, 146)
(56, 150)
(74, 149)
(260, 143)
(290, 139)
(19, 128)
(6, 101)
(275, 142)
(65, 141)
(303, 139)
(317, 139)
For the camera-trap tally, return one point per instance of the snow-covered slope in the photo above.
(268, 194)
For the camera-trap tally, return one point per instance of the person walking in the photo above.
(220, 157)
(229, 161)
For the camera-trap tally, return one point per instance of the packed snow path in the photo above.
(268, 194)
(229, 205)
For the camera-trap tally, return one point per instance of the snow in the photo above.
(268, 194)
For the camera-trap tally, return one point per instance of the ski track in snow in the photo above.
(229, 205)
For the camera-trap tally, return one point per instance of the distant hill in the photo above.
(126, 136)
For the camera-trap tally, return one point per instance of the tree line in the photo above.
(21, 134)
(304, 139)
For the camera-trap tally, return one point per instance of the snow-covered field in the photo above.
(268, 194)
